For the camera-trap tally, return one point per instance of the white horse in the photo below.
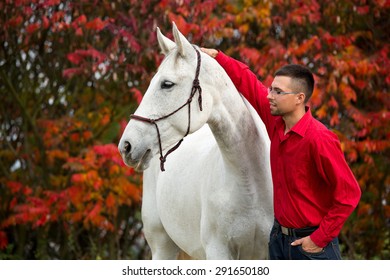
(214, 199)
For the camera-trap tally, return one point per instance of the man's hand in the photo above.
(307, 245)
(211, 52)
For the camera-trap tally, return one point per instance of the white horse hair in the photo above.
(214, 201)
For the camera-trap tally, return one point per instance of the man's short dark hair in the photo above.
(302, 77)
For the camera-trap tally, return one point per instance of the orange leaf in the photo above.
(110, 201)
(348, 92)
(335, 120)
(75, 195)
(333, 103)
(321, 113)
(94, 214)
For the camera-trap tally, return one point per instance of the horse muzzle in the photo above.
(138, 160)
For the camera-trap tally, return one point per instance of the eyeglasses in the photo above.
(279, 92)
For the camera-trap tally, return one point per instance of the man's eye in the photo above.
(167, 85)
(278, 91)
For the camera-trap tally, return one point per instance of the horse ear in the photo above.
(165, 43)
(181, 41)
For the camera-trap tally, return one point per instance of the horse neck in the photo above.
(241, 145)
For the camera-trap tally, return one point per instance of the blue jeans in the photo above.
(280, 248)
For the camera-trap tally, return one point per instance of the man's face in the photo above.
(282, 104)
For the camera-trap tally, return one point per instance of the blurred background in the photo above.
(72, 72)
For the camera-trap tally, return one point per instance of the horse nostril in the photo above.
(127, 147)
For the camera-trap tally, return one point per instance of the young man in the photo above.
(314, 188)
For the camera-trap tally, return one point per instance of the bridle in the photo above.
(195, 87)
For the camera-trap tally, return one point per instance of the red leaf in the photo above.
(3, 240)
(14, 186)
(42, 221)
(77, 178)
(45, 22)
(75, 137)
(13, 202)
(79, 21)
(27, 191)
(75, 58)
(137, 95)
(183, 26)
(363, 10)
(128, 37)
(15, 21)
(32, 28)
(361, 84)
(49, 3)
(163, 3)
(94, 212)
(78, 56)
(388, 79)
(79, 32)
(252, 54)
(70, 72)
(108, 151)
(98, 183)
(96, 24)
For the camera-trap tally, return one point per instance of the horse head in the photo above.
(176, 103)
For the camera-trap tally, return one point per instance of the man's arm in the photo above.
(247, 84)
(333, 168)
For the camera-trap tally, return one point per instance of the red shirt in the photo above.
(313, 184)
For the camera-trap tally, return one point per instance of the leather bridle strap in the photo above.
(195, 87)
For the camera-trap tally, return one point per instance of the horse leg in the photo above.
(216, 248)
(161, 245)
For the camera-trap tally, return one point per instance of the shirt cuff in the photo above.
(222, 59)
(320, 238)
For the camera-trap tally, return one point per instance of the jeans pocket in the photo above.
(330, 252)
(314, 256)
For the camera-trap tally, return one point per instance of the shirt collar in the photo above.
(301, 126)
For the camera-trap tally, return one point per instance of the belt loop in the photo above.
(291, 232)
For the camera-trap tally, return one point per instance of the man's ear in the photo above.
(300, 97)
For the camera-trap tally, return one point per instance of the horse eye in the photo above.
(167, 85)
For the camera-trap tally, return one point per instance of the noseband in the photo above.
(195, 87)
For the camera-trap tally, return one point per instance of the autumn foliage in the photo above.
(71, 73)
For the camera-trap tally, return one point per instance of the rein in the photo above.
(195, 87)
